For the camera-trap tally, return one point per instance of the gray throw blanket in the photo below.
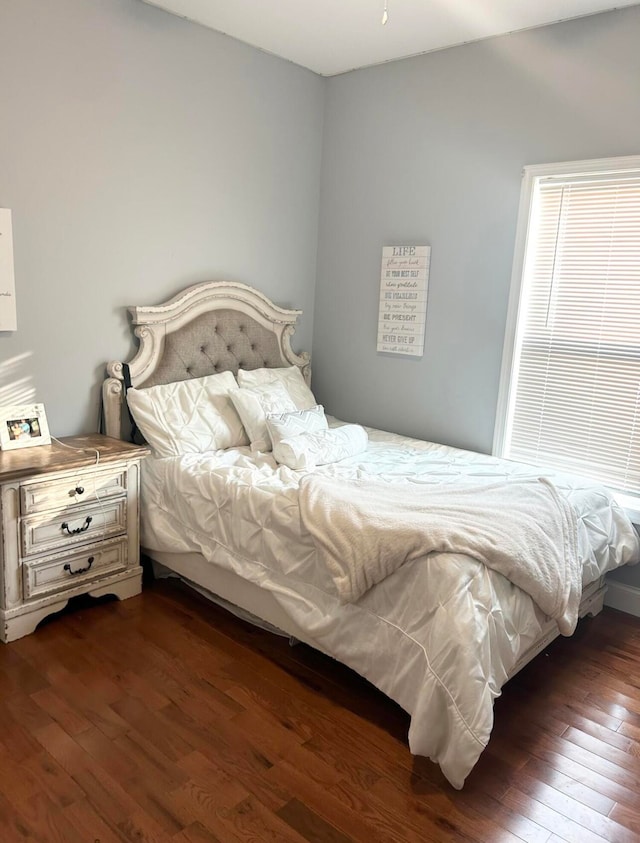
(364, 530)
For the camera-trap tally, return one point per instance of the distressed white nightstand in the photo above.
(69, 525)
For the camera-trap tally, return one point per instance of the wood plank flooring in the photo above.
(164, 719)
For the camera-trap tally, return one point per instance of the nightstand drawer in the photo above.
(68, 570)
(74, 525)
(73, 489)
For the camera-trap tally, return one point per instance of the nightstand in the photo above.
(70, 525)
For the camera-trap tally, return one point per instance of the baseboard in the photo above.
(624, 597)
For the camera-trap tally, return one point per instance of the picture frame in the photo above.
(23, 427)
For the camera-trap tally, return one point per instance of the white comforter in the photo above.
(364, 530)
(439, 635)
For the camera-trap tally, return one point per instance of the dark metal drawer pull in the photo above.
(85, 526)
(67, 567)
(79, 490)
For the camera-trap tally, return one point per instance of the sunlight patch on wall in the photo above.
(16, 387)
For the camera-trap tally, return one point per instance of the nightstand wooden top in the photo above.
(45, 459)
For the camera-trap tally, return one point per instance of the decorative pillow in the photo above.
(188, 417)
(285, 425)
(291, 377)
(254, 404)
(307, 450)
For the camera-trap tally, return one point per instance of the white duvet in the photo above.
(439, 635)
(364, 530)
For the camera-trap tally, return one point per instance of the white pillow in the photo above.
(254, 404)
(291, 377)
(307, 450)
(285, 425)
(188, 417)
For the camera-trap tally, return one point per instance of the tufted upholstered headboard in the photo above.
(211, 327)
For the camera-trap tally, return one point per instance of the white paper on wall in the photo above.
(8, 319)
(403, 299)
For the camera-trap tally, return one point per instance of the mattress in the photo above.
(440, 635)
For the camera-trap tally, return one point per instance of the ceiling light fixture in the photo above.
(385, 13)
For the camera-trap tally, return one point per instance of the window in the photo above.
(570, 386)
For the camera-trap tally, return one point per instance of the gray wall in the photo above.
(430, 151)
(141, 153)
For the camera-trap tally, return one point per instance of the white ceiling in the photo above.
(333, 36)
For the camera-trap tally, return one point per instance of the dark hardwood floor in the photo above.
(164, 718)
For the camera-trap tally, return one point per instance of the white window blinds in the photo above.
(574, 393)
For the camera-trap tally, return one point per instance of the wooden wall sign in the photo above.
(403, 299)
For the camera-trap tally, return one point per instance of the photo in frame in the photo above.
(23, 427)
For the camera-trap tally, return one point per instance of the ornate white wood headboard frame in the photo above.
(219, 325)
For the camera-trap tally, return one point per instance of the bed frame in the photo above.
(211, 327)
(221, 326)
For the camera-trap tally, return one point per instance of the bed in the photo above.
(441, 634)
